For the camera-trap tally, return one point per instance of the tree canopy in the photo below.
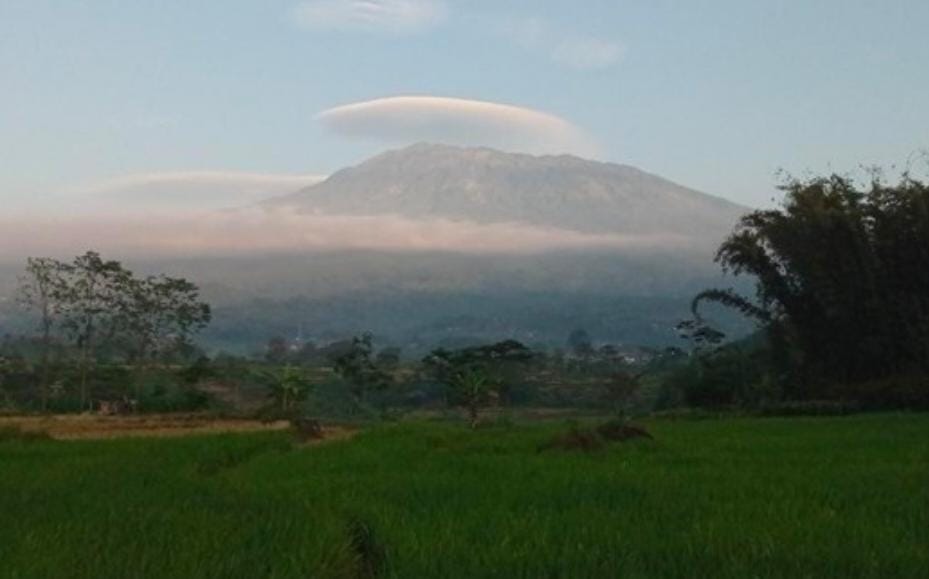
(842, 275)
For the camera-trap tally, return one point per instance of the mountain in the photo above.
(485, 186)
(631, 294)
(420, 298)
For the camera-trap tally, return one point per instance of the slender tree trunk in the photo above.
(83, 377)
(86, 353)
(140, 371)
(46, 354)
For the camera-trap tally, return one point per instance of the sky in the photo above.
(241, 97)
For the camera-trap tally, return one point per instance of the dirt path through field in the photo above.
(89, 426)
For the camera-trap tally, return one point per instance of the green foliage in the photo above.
(735, 375)
(93, 309)
(357, 366)
(41, 288)
(158, 313)
(842, 282)
(288, 388)
(90, 295)
(579, 343)
(477, 376)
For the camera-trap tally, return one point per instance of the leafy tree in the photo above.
(158, 312)
(288, 388)
(842, 276)
(276, 350)
(580, 344)
(388, 357)
(619, 390)
(6, 397)
(91, 299)
(701, 335)
(475, 377)
(41, 288)
(472, 389)
(358, 368)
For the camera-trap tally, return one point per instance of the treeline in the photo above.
(95, 317)
(355, 378)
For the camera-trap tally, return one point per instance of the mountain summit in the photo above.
(484, 185)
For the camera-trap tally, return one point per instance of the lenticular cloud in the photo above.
(406, 119)
(178, 191)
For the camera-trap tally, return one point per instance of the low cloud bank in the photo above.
(256, 231)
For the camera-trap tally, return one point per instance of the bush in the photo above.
(306, 429)
(809, 408)
(896, 392)
(575, 439)
(621, 431)
(14, 433)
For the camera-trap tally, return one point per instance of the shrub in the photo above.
(621, 431)
(575, 439)
(15, 433)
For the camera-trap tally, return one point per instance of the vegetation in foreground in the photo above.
(777, 497)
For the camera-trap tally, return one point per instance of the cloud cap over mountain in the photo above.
(408, 119)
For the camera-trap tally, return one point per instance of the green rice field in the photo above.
(728, 497)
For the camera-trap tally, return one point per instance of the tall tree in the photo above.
(842, 277)
(157, 312)
(92, 299)
(42, 288)
(358, 367)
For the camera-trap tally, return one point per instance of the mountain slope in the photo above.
(488, 186)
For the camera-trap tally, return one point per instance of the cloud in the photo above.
(389, 16)
(259, 231)
(406, 119)
(577, 51)
(190, 190)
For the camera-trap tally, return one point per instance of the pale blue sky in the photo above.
(715, 95)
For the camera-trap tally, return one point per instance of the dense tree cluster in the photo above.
(91, 308)
(842, 284)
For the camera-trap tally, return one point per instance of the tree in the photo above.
(41, 288)
(472, 389)
(388, 357)
(288, 388)
(158, 312)
(475, 377)
(356, 366)
(842, 280)
(580, 344)
(276, 351)
(619, 390)
(6, 398)
(91, 298)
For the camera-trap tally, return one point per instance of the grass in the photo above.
(774, 497)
